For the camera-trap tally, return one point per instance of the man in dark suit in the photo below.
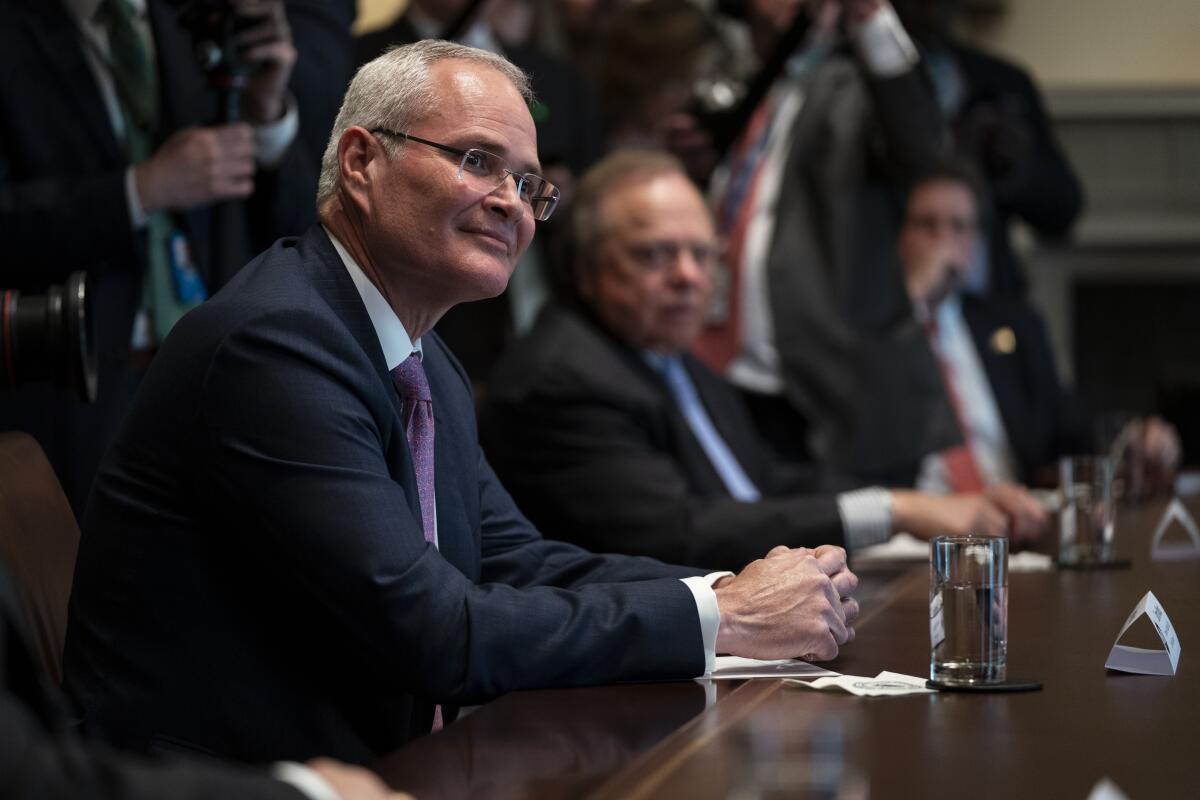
(999, 124)
(608, 432)
(296, 538)
(112, 162)
(808, 200)
(43, 758)
(1014, 416)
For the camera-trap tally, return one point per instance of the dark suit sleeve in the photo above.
(295, 417)
(589, 472)
(37, 765)
(53, 225)
(909, 127)
(516, 554)
(1050, 197)
(40, 759)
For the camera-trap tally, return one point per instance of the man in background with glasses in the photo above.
(296, 538)
(605, 428)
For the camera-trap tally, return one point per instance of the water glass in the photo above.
(968, 610)
(1087, 511)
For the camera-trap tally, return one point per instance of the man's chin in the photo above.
(487, 279)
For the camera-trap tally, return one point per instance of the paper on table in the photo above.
(885, 684)
(738, 668)
(1176, 512)
(1107, 789)
(901, 547)
(1139, 659)
(1029, 561)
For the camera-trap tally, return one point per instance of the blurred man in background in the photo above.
(609, 433)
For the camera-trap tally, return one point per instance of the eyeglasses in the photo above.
(488, 171)
(660, 256)
(931, 223)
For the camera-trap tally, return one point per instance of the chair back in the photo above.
(39, 539)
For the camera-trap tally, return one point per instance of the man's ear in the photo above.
(357, 149)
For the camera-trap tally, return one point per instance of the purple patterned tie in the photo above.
(417, 406)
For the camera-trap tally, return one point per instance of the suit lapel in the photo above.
(1004, 373)
(60, 41)
(453, 451)
(684, 443)
(333, 282)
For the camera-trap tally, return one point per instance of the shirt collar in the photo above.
(949, 313)
(393, 339)
(660, 362)
(86, 9)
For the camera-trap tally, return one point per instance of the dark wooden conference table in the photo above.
(765, 739)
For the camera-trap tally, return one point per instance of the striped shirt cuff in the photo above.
(884, 45)
(305, 780)
(866, 516)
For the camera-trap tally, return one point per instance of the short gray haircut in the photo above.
(395, 90)
(618, 169)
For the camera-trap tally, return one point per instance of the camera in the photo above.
(48, 338)
(212, 25)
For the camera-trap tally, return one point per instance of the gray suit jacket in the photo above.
(837, 298)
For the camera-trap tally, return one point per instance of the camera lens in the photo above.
(48, 338)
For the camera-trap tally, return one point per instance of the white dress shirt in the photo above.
(988, 440)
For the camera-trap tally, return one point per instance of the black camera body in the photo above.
(49, 338)
(212, 25)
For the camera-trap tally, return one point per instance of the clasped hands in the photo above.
(794, 602)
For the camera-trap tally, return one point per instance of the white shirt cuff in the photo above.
(866, 516)
(883, 44)
(272, 139)
(709, 613)
(137, 214)
(309, 783)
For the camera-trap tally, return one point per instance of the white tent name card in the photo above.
(1138, 659)
(1171, 551)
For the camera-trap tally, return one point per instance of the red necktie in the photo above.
(720, 341)
(417, 408)
(961, 470)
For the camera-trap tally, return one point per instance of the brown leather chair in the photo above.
(39, 539)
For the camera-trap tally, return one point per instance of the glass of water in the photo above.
(968, 610)
(1087, 513)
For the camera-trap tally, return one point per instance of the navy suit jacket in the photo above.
(253, 580)
(595, 448)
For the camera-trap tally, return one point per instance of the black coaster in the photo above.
(1007, 686)
(1116, 563)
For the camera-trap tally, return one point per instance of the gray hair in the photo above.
(618, 169)
(394, 91)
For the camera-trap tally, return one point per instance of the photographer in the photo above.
(112, 160)
(998, 123)
(807, 199)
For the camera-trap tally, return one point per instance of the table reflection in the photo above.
(545, 744)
